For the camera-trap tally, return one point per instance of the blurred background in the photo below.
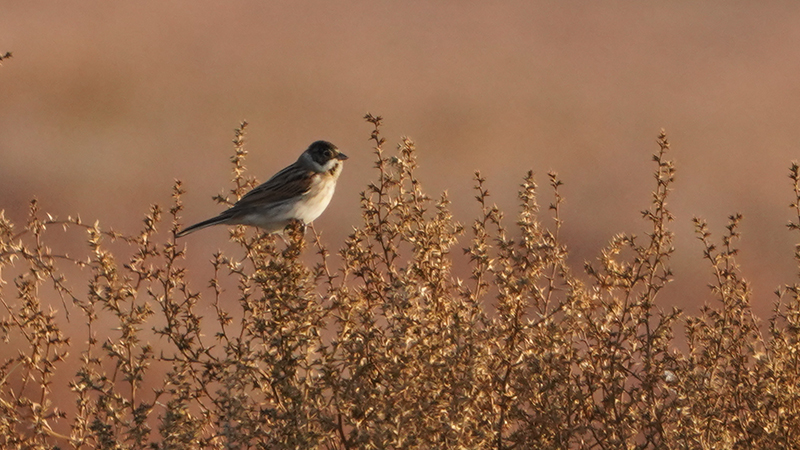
(104, 104)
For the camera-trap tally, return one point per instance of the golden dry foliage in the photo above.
(382, 346)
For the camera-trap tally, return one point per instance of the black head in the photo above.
(323, 151)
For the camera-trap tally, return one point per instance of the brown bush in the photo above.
(387, 348)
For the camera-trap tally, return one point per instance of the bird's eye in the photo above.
(328, 154)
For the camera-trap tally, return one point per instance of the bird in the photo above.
(299, 192)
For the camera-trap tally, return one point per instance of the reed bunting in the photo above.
(301, 192)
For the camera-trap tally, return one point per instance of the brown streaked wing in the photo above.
(289, 182)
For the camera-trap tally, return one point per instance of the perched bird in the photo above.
(301, 192)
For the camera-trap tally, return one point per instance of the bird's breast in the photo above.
(316, 199)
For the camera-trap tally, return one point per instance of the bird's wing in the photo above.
(288, 183)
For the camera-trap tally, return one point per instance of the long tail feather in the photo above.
(206, 223)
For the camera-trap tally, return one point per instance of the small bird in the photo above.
(301, 192)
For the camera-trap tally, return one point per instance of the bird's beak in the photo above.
(341, 156)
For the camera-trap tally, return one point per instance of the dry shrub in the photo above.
(386, 348)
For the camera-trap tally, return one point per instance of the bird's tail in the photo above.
(200, 225)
